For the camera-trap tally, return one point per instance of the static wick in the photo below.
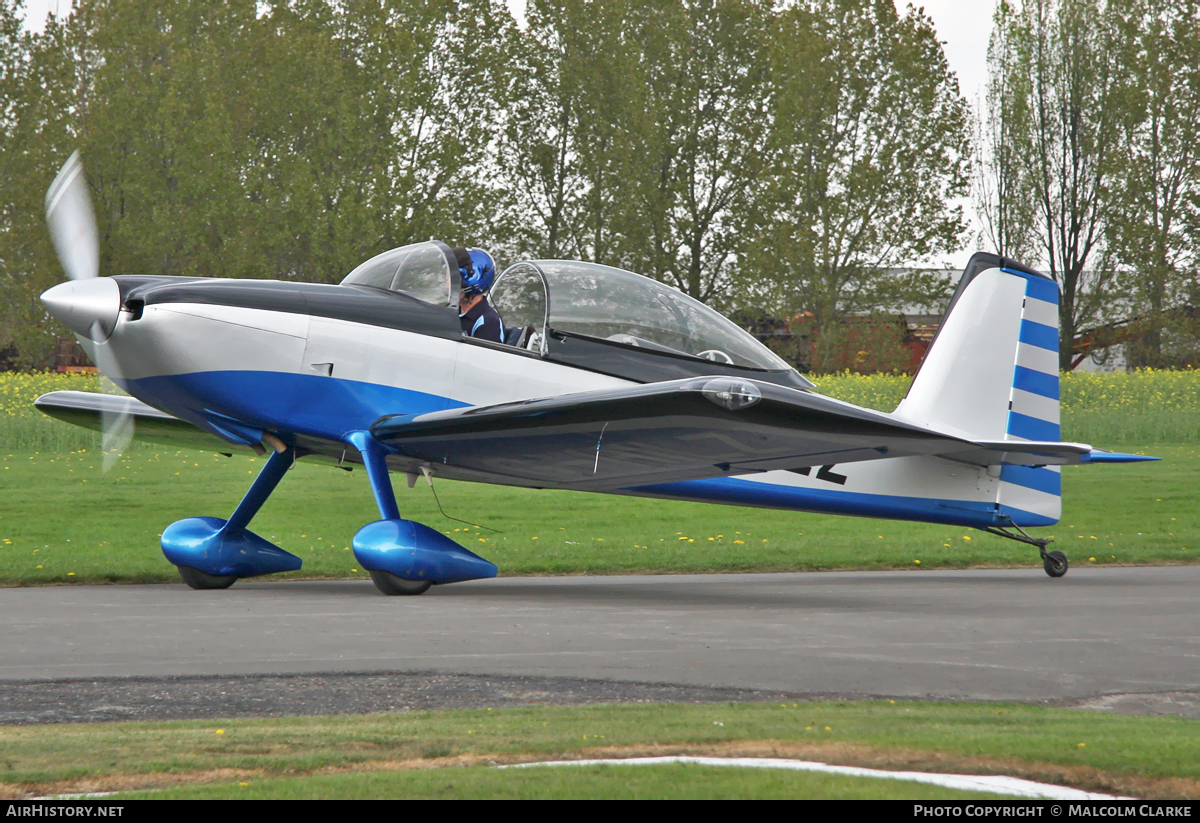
(599, 440)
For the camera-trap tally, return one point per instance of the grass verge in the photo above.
(1137, 756)
(595, 782)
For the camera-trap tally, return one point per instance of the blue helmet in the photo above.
(477, 270)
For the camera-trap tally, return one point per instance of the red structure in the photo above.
(69, 356)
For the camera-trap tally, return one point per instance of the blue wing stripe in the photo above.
(768, 495)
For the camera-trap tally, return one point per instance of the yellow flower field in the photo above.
(23, 427)
(1146, 406)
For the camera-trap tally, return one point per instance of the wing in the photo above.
(87, 408)
(677, 430)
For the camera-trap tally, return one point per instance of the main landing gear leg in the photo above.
(402, 556)
(1055, 562)
(212, 553)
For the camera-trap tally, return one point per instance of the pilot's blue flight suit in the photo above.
(483, 321)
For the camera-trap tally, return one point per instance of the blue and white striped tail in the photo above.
(992, 374)
(1033, 408)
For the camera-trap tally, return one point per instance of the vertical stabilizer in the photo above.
(991, 373)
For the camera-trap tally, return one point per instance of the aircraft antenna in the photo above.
(429, 479)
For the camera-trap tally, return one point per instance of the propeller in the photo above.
(72, 222)
(86, 307)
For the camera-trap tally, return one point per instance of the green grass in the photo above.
(1056, 745)
(60, 513)
(599, 782)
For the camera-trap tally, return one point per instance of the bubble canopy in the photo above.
(631, 310)
(427, 271)
(586, 314)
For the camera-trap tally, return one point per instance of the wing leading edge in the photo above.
(679, 430)
(86, 409)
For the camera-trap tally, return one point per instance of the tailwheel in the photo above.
(202, 580)
(391, 585)
(1055, 563)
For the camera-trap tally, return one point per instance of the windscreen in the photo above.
(422, 270)
(627, 308)
(520, 296)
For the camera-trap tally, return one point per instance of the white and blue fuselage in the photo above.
(285, 365)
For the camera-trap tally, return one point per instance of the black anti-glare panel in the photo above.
(357, 304)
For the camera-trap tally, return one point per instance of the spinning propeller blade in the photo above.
(72, 222)
(72, 225)
(116, 427)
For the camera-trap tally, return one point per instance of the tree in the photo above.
(709, 83)
(868, 146)
(1006, 212)
(40, 95)
(292, 139)
(14, 60)
(165, 130)
(638, 131)
(1059, 72)
(281, 139)
(435, 85)
(577, 118)
(1155, 223)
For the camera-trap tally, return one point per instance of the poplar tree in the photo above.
(434, 89)
(1006, 210)
(638, 131)
(13, 63)
(1060, 74)
(1154, 230)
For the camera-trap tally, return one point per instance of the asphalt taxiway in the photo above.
(1114, 636)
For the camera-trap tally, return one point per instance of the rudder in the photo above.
(991, 373)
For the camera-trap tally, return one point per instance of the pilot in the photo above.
(476, 315)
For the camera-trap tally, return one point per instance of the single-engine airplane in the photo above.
(606, 381)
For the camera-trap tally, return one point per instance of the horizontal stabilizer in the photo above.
(1026, 453)
(1101, 456)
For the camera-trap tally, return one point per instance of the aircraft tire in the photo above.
(1055, 564)
(201, 580)
(392, 585)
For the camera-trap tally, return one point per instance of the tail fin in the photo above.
(991, 373)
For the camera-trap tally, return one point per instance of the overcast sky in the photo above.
(963, 26)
